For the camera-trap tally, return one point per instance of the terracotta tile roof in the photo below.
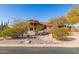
(46, 23)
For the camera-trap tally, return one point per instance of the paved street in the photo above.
(39, 50)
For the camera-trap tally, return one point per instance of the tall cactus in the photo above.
(1, 26)
(4, 25)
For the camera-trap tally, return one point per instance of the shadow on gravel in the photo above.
(67, 39)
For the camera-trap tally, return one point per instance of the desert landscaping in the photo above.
(63, 30)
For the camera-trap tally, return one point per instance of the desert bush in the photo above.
(38, 28)
(60, 33)
(6, 32)
(15, 31)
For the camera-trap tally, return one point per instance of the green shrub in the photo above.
(38, 28)
(60, 33)
(6, 32)
(15, 31)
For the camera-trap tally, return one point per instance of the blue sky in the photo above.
(41, 12)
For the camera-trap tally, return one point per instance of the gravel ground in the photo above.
(38, 40)
(74, 39)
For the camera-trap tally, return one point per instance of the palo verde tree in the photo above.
(58, 21)
(73, 15)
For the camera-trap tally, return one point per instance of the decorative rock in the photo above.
(8, 38)
(1, 38)
(25, 42)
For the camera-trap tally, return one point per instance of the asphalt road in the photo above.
(39, 50)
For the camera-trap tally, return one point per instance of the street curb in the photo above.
(36, 45)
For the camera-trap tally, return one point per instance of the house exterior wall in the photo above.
(35, 23)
